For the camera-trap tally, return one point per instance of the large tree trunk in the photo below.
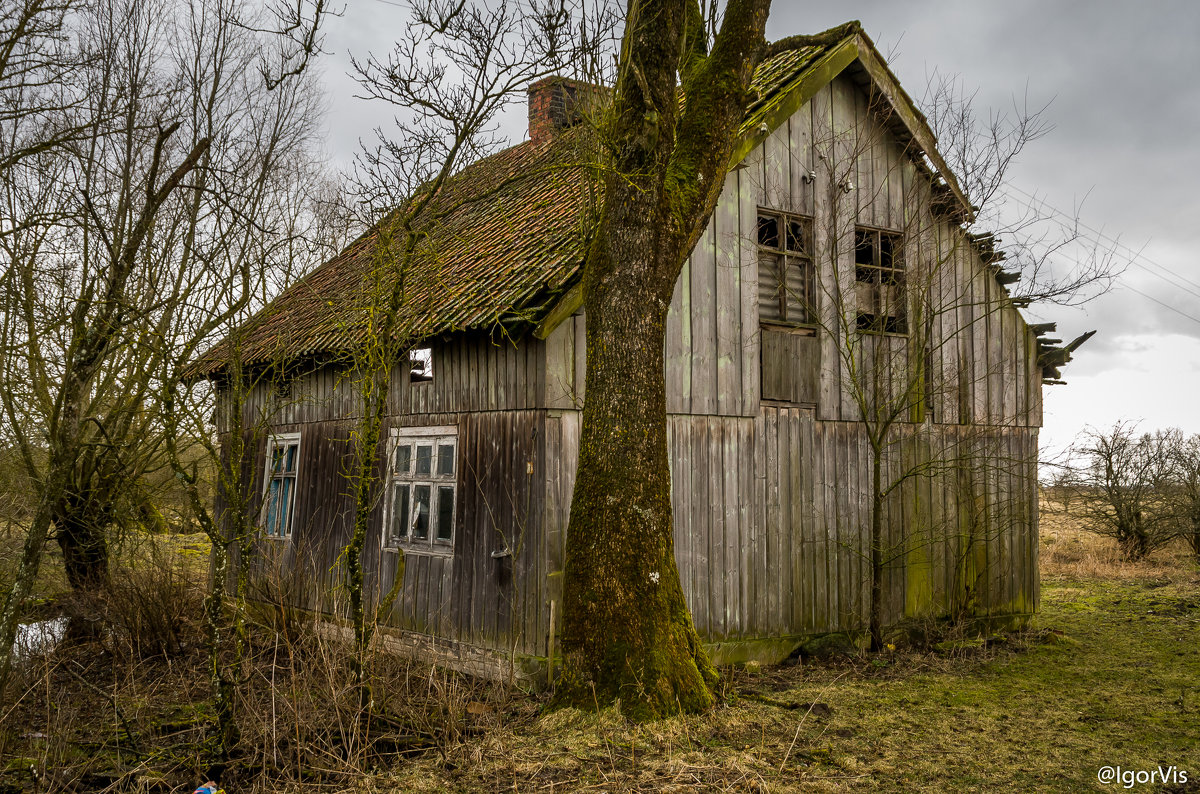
(84, 547)
(627, 630)
(627, 633)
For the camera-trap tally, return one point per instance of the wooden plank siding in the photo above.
(771, 468)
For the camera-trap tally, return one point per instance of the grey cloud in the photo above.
(1125, 107)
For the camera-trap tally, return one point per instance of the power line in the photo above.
(1180, 312)
(1175, 279)
(1134, 256)
(1115, 242)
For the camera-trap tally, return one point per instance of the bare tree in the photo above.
(1180, 485)
(156, 207)
(454, 68)
(38, 96)
(1116, 483)
(1046, 260)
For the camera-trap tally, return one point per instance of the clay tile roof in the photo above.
(498, 258)
(505, 257)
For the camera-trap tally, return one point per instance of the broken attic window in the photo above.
(879, 273)
(785, 269)
(881, 323)
(768, 231)
(421, 365)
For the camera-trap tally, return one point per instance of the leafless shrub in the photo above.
(1115, 485)
(276, 592)
(302, 719)
(1179, 486)
(151, 610)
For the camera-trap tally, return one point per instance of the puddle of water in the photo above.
(39, 637)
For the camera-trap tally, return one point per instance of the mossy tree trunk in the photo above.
(627, 633)
(366, 489)
(84, 543)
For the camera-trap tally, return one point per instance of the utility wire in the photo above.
(1100, 235)
(1180, 312)
(1097, 236)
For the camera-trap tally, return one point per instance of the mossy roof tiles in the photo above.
(513, 242)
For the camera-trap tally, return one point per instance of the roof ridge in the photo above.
(825, 38)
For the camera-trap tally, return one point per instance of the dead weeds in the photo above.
(1108, 674)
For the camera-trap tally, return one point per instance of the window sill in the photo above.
(422, 551)
(795, 330)
(770, 403)
(895, 334)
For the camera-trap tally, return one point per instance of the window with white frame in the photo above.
(423, 474)
(279, 485)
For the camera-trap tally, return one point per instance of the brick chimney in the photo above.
(556, 103)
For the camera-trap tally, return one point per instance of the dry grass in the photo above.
(1068, 551)
(1109, 674)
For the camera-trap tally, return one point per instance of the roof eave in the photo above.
(790, 99)
(912, 118)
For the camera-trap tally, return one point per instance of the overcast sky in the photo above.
(1124, 100)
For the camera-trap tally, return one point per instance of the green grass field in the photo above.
(1110, 676)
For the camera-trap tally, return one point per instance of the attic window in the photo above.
(879, 281)
(785, 269)
(421, 365)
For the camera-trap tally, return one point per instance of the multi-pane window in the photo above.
(279, 497)
(423, 471)
(785, 269)
(879, 277)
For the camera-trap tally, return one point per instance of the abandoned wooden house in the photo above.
(835, 265)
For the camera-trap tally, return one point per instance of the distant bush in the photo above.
(1141, 490)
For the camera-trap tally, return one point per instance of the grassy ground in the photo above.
(1109, 675)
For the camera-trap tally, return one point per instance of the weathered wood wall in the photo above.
(772, 499)
(488, 589)
(771, 468)
(487, 389)
(714, 348)
(772, 521)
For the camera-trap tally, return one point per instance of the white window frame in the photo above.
(274, 442)
(403, 482)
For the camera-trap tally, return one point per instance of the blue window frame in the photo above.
(279, 485)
